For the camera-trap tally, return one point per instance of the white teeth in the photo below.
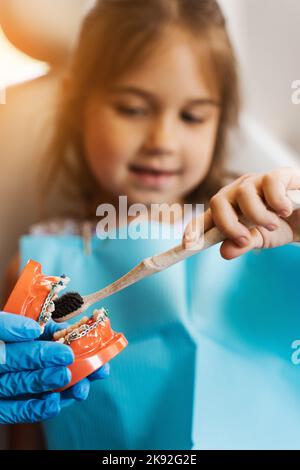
(81, 328)
(59, 288)
(58, 335)
(62, 333)
(100, 315)
(96, 313)
(47, 283)
(51, 307)
(82, 321)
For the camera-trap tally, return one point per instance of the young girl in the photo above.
(152, 92)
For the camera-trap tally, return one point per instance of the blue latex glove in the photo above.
(31, 367)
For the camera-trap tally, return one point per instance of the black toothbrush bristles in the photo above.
(67, 304)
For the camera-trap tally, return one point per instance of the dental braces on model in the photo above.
(93, 341)
(54, 289)
(82, 327)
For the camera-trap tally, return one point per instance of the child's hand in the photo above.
(261, 200)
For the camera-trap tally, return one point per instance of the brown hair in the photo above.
(115, 36)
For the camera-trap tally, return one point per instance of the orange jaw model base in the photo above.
(92, 340)
(34, 293)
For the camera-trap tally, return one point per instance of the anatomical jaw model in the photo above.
(92, 340)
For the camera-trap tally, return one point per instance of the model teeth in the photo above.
(51, 307)
(64, 280)
(61, 284)
(100, 315)
(81, 328)
(63, 333)
(59, 335)
(47, 284)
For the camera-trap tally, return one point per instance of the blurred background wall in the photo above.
(267, 37)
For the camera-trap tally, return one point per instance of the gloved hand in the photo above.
(79, 391)
(31, 367)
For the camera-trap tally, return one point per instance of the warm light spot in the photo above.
(16, 67)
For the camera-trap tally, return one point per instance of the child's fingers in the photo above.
(196, 228)
(274, 191)
(254, 209)
(229, 250)
(294, 223)
(226, 219)
(261, 238)
(289, 176)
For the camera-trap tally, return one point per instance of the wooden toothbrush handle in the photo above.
(211, 237)
(164, 260)
(178, 253)
(153, 265)
(146, 268)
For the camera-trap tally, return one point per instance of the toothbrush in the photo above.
(74, 304)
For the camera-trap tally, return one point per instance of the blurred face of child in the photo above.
(152, 136)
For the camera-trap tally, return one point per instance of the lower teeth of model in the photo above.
(81, 329)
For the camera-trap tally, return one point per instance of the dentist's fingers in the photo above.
(33, 382)
(101, 373)
(79, 392)
(17, 328)
(29, 411)
(33, 355)
(51, 328)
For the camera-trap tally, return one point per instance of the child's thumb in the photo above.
(196, 228)
(229, 250)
